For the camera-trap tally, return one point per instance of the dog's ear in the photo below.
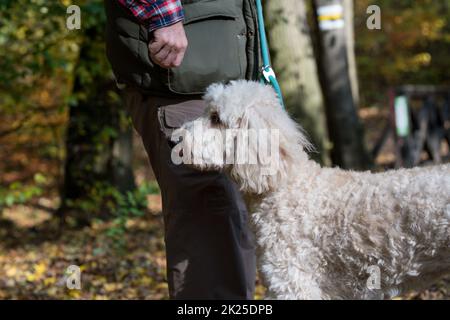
(290, 144)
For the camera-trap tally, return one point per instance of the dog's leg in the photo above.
(286, 286)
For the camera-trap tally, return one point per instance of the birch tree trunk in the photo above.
(350, 36)
(293, 60)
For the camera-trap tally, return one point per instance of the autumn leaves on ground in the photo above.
(34, 257)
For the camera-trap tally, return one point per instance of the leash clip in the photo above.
(268, 72)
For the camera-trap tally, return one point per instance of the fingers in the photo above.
(169, 56)
(170, 59)
(162, 55)
(178, 59)
(156, 46)
(169, 46)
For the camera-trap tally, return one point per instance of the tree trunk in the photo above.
(293, 60)
(98, 144)
(345, 130)
(350, 37)
(123, 177)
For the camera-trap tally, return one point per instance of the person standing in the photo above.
(164, 53)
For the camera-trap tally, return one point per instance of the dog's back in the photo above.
(397, 222)
(347, 226)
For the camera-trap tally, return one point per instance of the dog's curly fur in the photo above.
(319, 229)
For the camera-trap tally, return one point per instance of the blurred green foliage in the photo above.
(55, 85)
(17, 193)
(126, 206)
(411, 48)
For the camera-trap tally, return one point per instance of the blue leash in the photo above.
(267, 71)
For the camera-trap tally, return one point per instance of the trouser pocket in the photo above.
(172, 117)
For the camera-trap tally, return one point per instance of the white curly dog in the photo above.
(326, 233)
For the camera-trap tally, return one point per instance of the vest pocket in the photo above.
(216, 50)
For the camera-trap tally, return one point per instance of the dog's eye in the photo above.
(214, 118)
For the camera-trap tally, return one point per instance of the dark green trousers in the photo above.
(209, 247)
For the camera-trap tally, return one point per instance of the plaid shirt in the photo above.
(155, 14)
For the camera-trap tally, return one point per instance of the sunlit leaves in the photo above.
(411, 48)
(38, 60)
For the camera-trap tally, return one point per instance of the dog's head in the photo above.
(246, 132)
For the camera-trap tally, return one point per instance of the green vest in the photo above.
(223, 45)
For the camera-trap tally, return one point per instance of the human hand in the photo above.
(168, 45)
